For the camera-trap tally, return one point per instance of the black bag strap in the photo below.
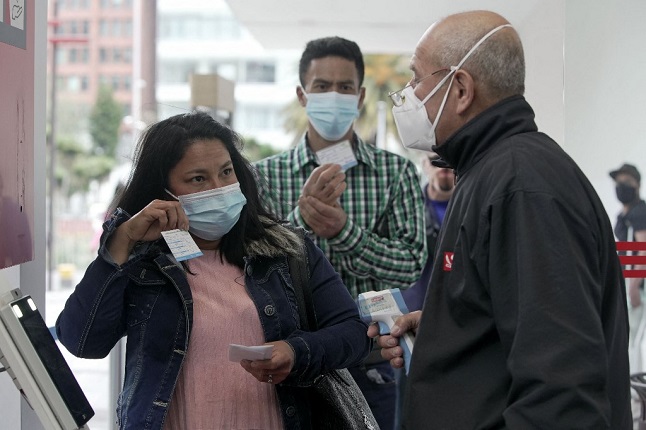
(299, 273)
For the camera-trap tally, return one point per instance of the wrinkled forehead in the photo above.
(422, 59)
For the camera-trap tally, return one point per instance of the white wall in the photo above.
(30, 277)
(9, 398)
(605, 112)
(542, 34)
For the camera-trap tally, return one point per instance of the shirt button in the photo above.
(249, 270)
(290, 411)
(270, 310)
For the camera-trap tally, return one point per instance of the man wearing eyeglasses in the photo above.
(524, 324)
(363, 205)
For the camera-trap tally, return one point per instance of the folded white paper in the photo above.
(241, 352)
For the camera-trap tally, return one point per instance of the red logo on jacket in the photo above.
(448, 261)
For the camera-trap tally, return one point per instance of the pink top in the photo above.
(212, 392)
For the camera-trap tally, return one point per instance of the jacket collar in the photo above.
(470, 143)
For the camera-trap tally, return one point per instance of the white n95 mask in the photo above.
(415, 128)
(213, 213)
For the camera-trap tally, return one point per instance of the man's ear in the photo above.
(300, 93)
(464, 85)
(362, 96)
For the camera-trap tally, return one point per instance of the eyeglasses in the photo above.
(399, 99)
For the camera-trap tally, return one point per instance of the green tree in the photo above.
(105, 120)
(77, 167)
(384, 73)
(255, 150)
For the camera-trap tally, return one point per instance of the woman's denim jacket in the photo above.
(149, 300)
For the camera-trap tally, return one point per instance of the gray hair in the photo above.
(498, 64)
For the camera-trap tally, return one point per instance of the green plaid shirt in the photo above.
(383, 184)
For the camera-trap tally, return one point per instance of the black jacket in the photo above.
(525, 323)
(635, 218)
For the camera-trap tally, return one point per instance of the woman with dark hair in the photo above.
(180, 318)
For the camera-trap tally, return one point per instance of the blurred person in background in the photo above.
(438, 189)
(631, 226)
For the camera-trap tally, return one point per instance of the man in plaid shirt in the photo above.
(367, 215)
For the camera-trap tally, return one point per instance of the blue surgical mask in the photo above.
(332, 114)
(213, 213)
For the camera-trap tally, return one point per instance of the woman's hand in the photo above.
(277, 368)
(146, 226)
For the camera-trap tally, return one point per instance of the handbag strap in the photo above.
(299, 273)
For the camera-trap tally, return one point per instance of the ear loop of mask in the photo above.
(171, 194)
(446, 95)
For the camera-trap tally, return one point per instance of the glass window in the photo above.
(103, 27)
(257, 117)
(73, 84)
(127, 55)
(84, 83)
(198, 26)
(72, 55)
(260, 72)
(116, 55)
(116, 28)
(226, 27)
(103, 55)
(61, 82)
(126, 28)
(228, 71)
(61, 55)
(115, 83)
